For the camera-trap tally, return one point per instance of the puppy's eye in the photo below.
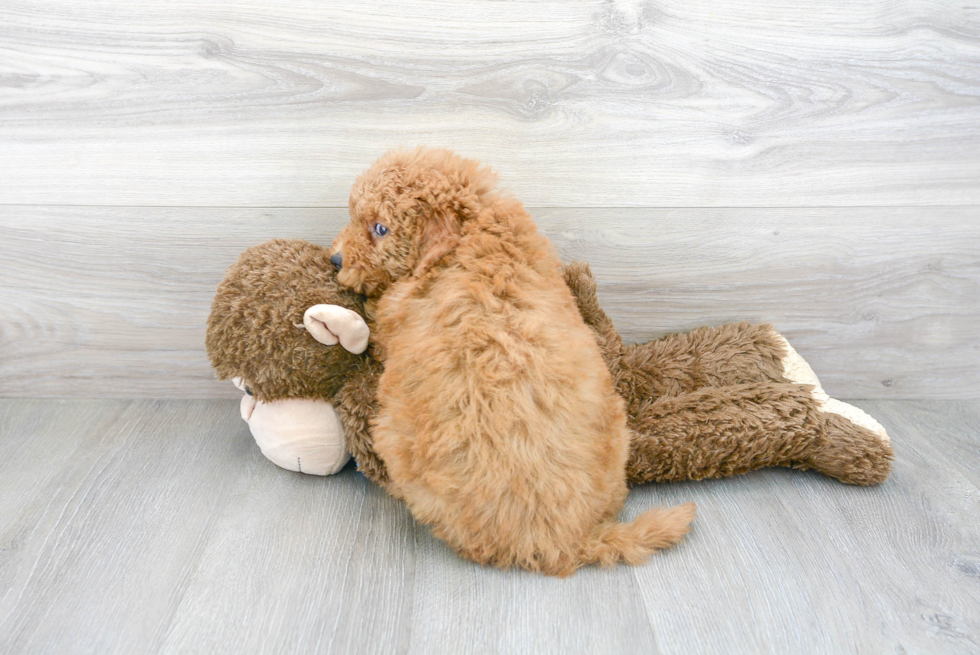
(380, 229)
(248, 390)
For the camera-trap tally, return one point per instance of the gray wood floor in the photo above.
(157, 526)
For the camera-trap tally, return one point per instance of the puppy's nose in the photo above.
(337, 259)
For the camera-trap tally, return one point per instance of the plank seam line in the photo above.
(531, 207)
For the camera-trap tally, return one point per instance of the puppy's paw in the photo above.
(333, 324)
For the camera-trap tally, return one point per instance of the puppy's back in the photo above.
(500, 424)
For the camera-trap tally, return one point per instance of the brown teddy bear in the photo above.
(712, 403)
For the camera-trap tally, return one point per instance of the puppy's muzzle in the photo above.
(337, 259)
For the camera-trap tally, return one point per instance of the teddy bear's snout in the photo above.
(300, 434)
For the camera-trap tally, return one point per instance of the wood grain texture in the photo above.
(300, 564)
(883, 302)
(459, 607)
(158, 527)
(98, 558)
(822, 567)
(597, 104)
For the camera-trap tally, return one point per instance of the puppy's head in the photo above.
(407, 212)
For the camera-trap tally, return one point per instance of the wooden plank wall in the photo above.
(714, 161)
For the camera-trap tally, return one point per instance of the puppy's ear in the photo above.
(440, 236)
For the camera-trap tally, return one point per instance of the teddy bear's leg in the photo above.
(720, 401)
(737, 353)
(718, 432)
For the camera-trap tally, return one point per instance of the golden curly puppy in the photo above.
(498, 421)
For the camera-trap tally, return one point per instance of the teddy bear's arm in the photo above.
(357, 404)
(723, 431)
(581, 282)
(737, 353)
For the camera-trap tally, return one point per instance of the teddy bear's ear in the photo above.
(332, 324)
(440, 236)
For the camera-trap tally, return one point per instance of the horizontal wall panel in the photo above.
(577, 104)
(883, 302)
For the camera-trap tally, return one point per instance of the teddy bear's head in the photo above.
(272, 315)
(256, 328)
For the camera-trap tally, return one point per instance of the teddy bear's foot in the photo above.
(849, 452)
(796, 369)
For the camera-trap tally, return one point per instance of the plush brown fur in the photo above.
(498, 420)
(701, 405)
(714, 403)
(255, 332)
(252, 329)
(707, 404)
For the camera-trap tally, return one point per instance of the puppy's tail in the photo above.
(633, 542)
